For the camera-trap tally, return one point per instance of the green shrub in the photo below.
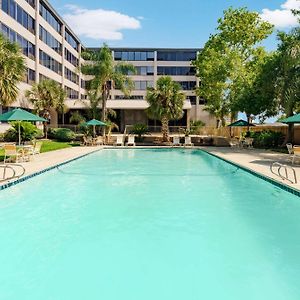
(28, 132)
(267, 139)
(140, 130)
(61, 134)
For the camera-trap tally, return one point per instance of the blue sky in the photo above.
(161, 23)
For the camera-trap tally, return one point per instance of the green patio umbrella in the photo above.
(94, 123)
(240, 123)
(291, 120)
(19, 114)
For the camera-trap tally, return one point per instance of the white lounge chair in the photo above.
(131, 140)
(176, 141)
(290, 148)
(99, 141)
(188, 141)
(120, 141)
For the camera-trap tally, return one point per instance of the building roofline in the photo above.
(147, 49)
(60, 18)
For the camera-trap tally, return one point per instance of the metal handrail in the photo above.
(286, 175)
(12, 168)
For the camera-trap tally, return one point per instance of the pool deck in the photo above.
(256, 160)
(259, 161)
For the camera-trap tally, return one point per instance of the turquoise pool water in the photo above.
(149, 225)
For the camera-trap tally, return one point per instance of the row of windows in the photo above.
(29, 76)
(49, 17)
(19, 14)
(50, 63)
(28, 48)
(71, 58)
(50, 40)
(71, 94)
(71, 40)
(176, 55)
(143, 71)
(83, 84)
(187, 85)
(71, 76)
(179, 71)
(135, 97)
(143, 85)
(134, 55)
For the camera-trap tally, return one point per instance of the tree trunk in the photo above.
(165, 129)
(248, 120)
(104, 100)
(290, 135)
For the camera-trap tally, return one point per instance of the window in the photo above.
(71, 94)
(31, 2)
(71, 40)
(29, 76)
(71, 76)
(143, 85)
(134, 55)
(19, 14)
(179, 71)
(71, 58)
(27, 48)
(46, 13)
(176, 55)
(187, 85)
(49, 39)
(193, 99)
(133, 97)
(50, 63)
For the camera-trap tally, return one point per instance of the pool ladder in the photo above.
(285, 175)
(11, 171)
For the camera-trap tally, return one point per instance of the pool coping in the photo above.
(34, 174)
(248, 170)
(266, 178)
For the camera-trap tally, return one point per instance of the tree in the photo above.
(45, 96)
(287, 82)
(229, 59)
(12, 69)
(105, 73)
(165, 103)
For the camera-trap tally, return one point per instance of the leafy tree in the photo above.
(287, 76)
(105, 73)
(229, 60)
(12, 69)
(45, 96)
(165, 103)
(76, 118)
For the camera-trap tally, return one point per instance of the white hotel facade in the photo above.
(53, 51)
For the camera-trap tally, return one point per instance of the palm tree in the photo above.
(46, 96)
(105, 73)
(165, 103)
(12, 69)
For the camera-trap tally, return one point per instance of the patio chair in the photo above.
(296, 154)
(12, 154)
(37, 148)
(120, 141)
(234, 143)
(188, 141)
(176, 141)
(87, 141)
(290, 149)
(99, 141)
(131, 140)
(248, 142)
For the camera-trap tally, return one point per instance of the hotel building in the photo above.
(53, 51)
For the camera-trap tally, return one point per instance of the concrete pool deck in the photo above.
(256, 160)
(259, 161)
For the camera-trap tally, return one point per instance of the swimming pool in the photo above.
(149, 224)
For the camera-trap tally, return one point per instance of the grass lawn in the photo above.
(48, 146)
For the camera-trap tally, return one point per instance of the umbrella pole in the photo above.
(94, 129)
(19, 133)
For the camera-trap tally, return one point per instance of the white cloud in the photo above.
(99, 23)
(283, 17)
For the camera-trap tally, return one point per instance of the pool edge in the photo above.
(27, 177)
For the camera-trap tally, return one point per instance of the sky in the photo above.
(162, 23)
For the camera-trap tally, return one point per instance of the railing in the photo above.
(9, 172)
(284, 176)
